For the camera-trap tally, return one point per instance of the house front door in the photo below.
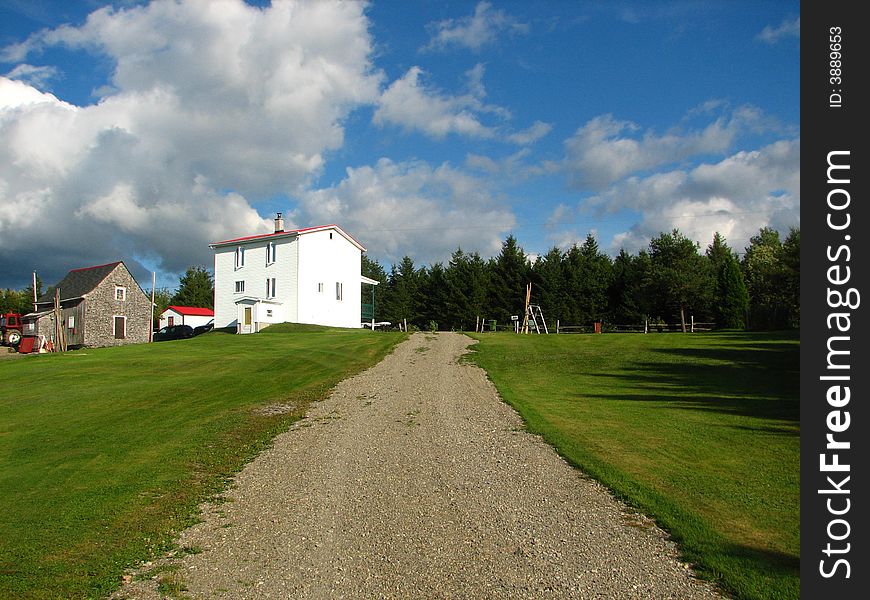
(248, 320)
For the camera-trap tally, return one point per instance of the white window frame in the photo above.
(114, 320)
(71, 322)
(320, 288)
(271, 253)
(339, 291)
(240, 286)
(270, 287)
(123, 295)
(240, 257)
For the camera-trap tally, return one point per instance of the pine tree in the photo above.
(510, 274)
(681, 278)
(196, 288)
(731, 300)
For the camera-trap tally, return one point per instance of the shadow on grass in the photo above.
(761, 379)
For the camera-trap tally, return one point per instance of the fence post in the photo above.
(692, 317)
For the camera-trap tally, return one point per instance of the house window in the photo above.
(270, 253)
(120, 292)
(71, 322)
(120, 328)
(240, 287)
(319, 288)
(170, 321)
(270, 287)
(339, 291)
(268, 312)
(330, 235)
(240, 257)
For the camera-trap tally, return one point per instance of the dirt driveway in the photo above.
(413, 480)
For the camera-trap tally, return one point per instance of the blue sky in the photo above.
(142, 131)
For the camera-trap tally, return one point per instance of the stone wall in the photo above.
(101, 307)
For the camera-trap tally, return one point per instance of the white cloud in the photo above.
(606, 150)
(412, 208)
(788, 28)
(410, 104)
(736, 197)
(475, 31)
(38, 77)
(531, 135)
(213, 105)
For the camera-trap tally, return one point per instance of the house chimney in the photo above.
(279, 224)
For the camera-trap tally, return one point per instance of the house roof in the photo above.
(79, 282)
(289, 233)
(192, 311)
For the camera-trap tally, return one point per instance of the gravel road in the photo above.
(413, 480)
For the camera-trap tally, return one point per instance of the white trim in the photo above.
(123, 290)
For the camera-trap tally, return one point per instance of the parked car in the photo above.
(203, 328)
(174, 332)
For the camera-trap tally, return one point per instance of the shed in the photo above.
(185, 315)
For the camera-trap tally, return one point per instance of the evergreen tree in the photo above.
(373, 270)
(196, 288)
(629, 300)
(550, 280)
(791, 265)
(681, 278)
(404, 299)
(466, 280)
(765, 281)
(435, 293)
(731, 299)
(510, 274)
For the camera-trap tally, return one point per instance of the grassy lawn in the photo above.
(104, 453)
(700, 431)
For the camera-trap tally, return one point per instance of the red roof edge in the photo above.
(287, 232)
(112, 264)
(196, 311)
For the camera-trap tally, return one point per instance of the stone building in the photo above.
(100, 306)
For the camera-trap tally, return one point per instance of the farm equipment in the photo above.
(10, 329)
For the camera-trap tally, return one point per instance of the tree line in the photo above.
(671, 281)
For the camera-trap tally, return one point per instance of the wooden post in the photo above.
(34, 291)
(151, 319)
(525, 328)
(477, 324)
(646, 325)
(557, 326)
(692, 317)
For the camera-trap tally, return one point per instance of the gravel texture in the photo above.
(414, 480)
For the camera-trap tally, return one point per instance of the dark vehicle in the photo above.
(203, 328)
(174, 332)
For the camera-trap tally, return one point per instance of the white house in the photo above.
(307, 275)
(185, 315)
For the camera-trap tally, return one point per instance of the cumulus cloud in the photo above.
(392, 207)
(736, 196)
(212, 106)
(475, 31)
(606, 150)
(788, 28)
(412, 105)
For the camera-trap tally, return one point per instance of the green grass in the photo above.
(699, 431)
(104, 453)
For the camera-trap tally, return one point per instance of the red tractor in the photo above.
(10, 329)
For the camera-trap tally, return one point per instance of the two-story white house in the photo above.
(307, 275)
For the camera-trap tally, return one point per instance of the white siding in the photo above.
(301, 263)
(329, 261)
(254, 273)
(192, 320)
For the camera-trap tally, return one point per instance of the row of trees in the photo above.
(669, 281)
